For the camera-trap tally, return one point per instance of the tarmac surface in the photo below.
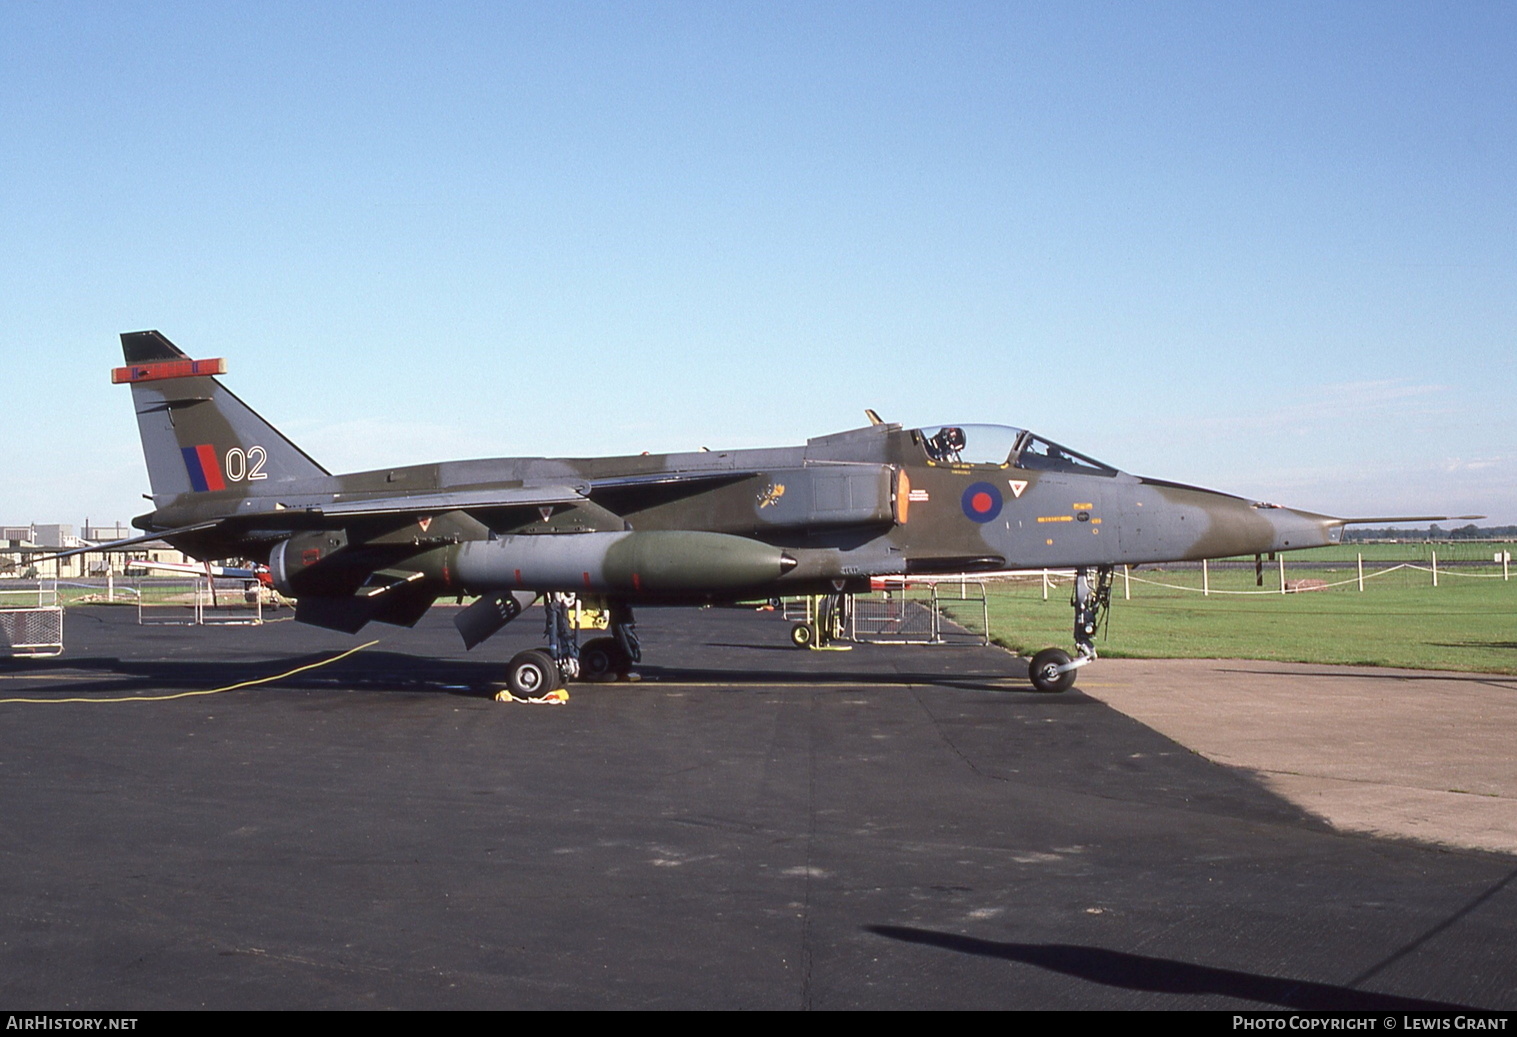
(751, 826)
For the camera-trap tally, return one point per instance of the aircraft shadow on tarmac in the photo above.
(954, 674)
(370, 671)
(395, 671)
(1165, 976)
(1011, 682)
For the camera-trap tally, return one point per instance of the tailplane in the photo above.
(197, 436)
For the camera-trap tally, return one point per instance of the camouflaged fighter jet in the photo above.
(711, 526)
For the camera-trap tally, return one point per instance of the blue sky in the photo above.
(1270, 249)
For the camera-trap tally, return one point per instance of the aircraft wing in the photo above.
(490, 499)
(607, 497)
(324, 512)
(621, 494)
(230, 572)
(113, 545)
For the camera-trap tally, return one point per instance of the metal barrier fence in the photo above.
(197, 602)
(894, 618)
(908, 614)
(915, 615)
(31, 620)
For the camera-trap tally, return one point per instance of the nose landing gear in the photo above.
(537, 671)
(1052, 669)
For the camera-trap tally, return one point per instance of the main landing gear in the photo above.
(537, 671)
(1052, 669)
(613, 657)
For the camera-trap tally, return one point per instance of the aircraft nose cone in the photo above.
(1297, 529)
(1239, 527)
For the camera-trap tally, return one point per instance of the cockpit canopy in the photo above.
(1002, 445)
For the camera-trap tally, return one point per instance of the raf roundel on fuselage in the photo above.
(981, 501)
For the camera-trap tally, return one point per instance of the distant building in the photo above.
(105, 534)
(59, 535)
(23, 551)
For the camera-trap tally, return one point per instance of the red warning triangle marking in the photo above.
(424, 522)
(546, 513)
(1017, 486)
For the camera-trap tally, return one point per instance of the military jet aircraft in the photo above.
(688, 528)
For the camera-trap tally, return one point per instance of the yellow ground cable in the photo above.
(212, 691)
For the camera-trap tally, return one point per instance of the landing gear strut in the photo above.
(534, 673)
(541, 670)
(1052, 669)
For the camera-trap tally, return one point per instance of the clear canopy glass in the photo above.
(970, 444)
(1003, 445)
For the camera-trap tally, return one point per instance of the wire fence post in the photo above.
(1281, 560)
(1045, 584)
(1126, 583)
(1205, 580)
(1435, 568)
(1361, 572)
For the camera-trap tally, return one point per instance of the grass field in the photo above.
(1467, 622)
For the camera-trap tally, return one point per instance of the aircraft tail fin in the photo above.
(197, 435)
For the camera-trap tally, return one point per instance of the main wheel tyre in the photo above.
(1045, 673)
(532, 674)
(601, 657)
(802, 635)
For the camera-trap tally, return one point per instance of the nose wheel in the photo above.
(1052, 670)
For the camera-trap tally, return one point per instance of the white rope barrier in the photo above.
(1054, 579)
